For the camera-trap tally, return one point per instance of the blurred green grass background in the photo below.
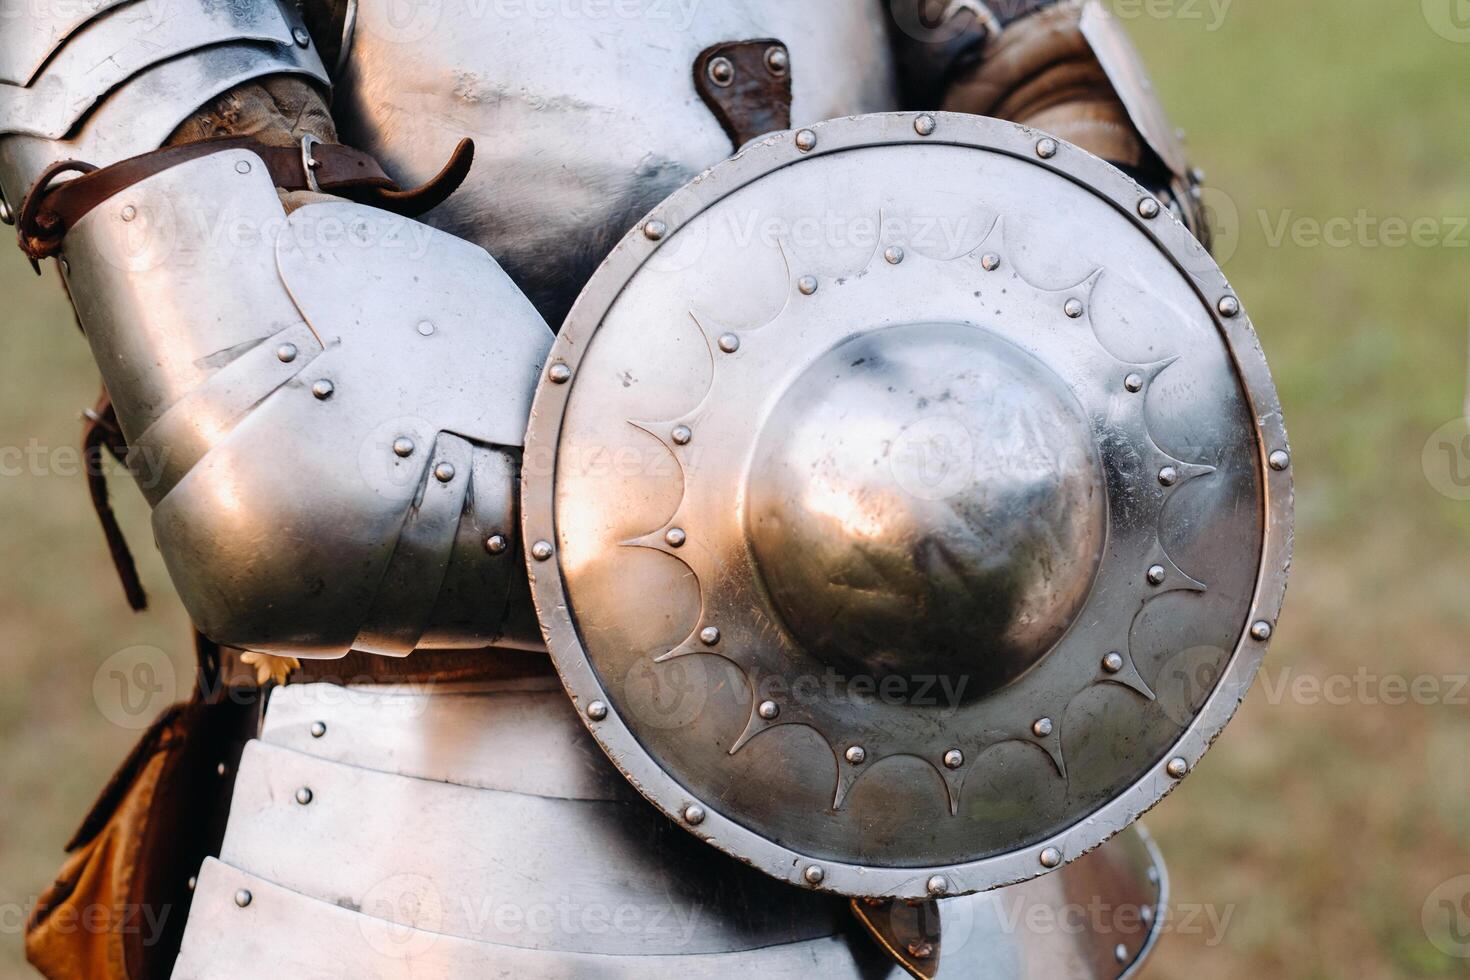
(1319, 828)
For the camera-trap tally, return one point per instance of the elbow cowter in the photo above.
(325, 410)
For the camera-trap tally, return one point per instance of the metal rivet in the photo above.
(541, 550)
(710, 636)
(243, 898)
(302, 38)
(1042, 727)
(1168, 476)
(304, 795)
(893, 255)
(1280, 460)
(496, 544)
(318, 729)
(193, 883)
(242, 167)
(807, 285)
(1177, 768)
(597, 711)
(681, 435)
(694, 814)
(426, 328)
(1046, 148)
(806, 141)
(856, 754)
(675, 537)
(559, 373)
(729, 343)
(403, 447)
(654, 230)
(323, 389)
(1113, 662)
(1153, 875)
(444, 472)
(286, 353)
(221, 769)
(721, 71)
(777, 60)
(1147, 915)
(1229, 306)
(1073, 308)
(953, 759)
(1051, 857)
(1120, 953)
(769, 710)
(1157, 574)
(938, 885)
(1134, 383)
(990, 262)
(129, 213)
(925, 125)
(1149, 208)
(814, 874)
(1261, 631)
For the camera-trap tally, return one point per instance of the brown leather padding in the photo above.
(118, 907)
(1042, 72)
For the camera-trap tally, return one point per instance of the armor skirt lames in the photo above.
(397, 833)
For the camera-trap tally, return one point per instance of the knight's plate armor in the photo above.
(840, 393)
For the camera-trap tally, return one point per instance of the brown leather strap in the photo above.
(100, 432)
(426, 667)
(50, 211)
(747, 85)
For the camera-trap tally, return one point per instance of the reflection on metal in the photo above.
(919, 501)
(433, 851)
(139, 114)
(335, 538)
(585, 119)
(114, 47)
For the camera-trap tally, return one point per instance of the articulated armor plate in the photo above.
(584, 115)
(370, 837)
(331, 451)
(101, 80)
(872, 519)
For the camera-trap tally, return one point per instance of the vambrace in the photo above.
(104, 80)
(324, 408)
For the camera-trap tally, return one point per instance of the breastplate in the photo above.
(584, 112)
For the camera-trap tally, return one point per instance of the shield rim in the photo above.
(538, 485)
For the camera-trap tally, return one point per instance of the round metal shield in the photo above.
(908, 504)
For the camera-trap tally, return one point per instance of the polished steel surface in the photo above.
(729, 380)
(1125, 69)
(33, 31)
(121, 43)
(399, 360)
(584, 115)
(140, 113)
(379, 847)
(517, 738)
(875, 578)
